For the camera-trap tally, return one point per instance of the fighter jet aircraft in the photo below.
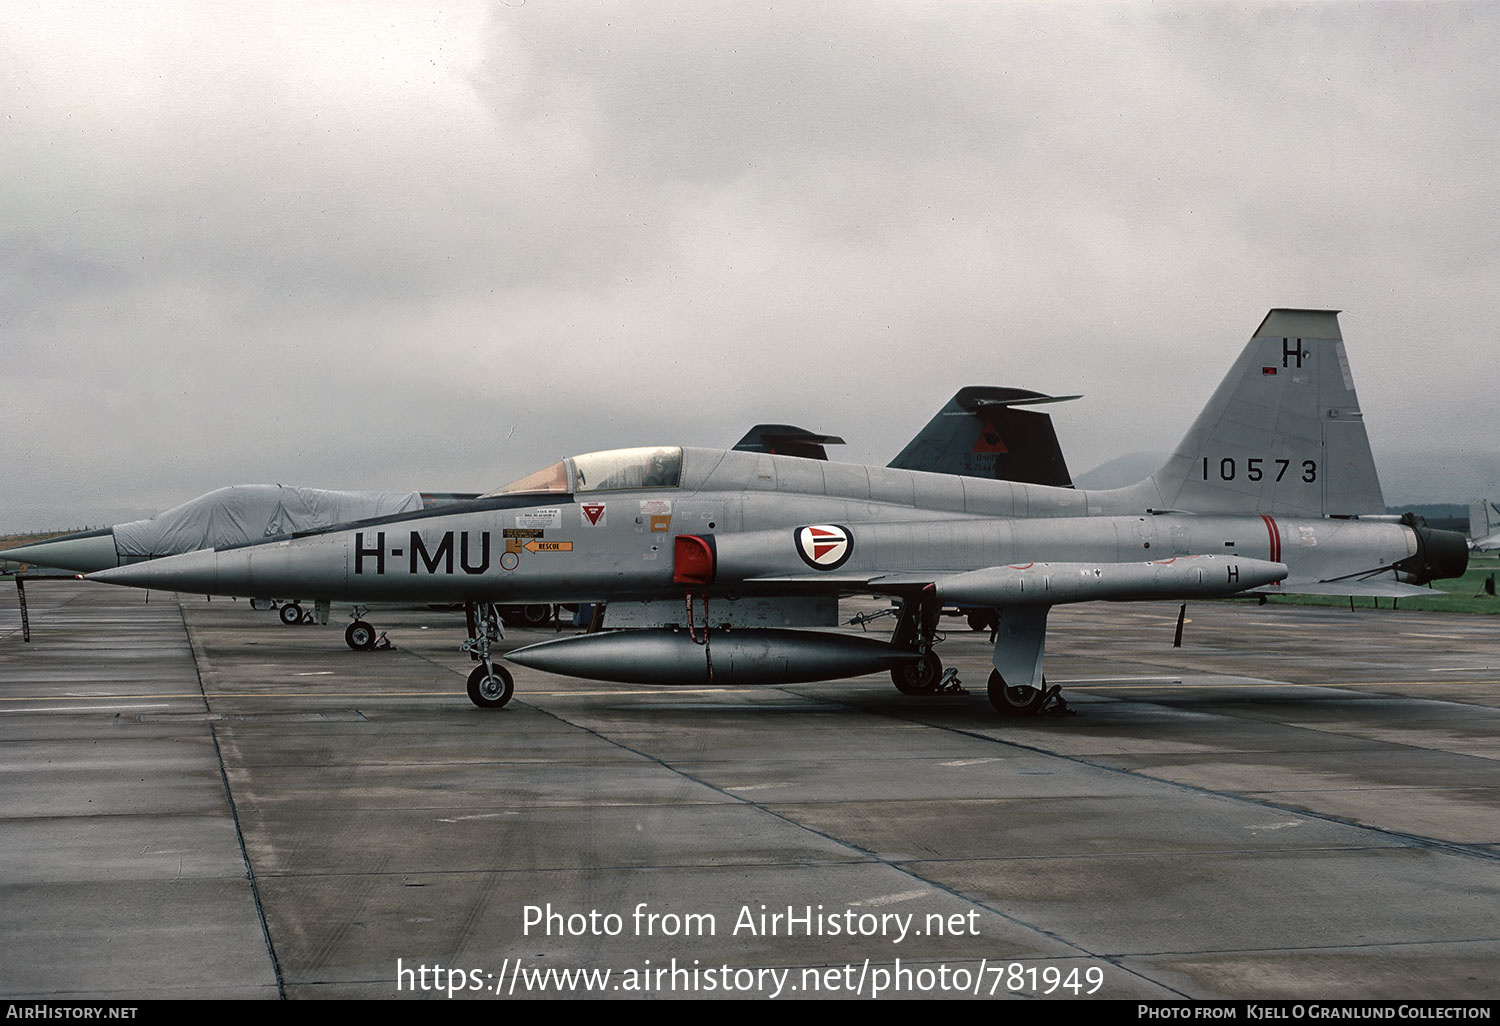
(240, 514)
(235, 515)
(714, 555)
(222, 518)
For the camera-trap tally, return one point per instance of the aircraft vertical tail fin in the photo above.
(1283, 434)
(982, 432)
(1484, 524)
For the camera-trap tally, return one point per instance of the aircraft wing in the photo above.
(1363, 589)
(843, 580)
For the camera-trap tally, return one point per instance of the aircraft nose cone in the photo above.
(190, 572)
(81, 553)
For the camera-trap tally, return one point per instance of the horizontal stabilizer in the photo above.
(976, 397)
(787, 440)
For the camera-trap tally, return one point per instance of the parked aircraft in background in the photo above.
(1265, 491)
(237, 515)
(1484, 525)
(220, 519)
(981, 432)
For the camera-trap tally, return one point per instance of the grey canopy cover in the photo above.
(248, 513)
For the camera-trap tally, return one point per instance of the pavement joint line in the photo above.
(1328, 685)
(869, 857)
(234, 813)
(1374, 945)
(1474, 850)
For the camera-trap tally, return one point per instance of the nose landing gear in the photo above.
(490, 685)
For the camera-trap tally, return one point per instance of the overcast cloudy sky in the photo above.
(401, 246)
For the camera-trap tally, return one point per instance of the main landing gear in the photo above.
(490, 684)
(920, 677)
(983, 619)
(1016, 686)
(916, 628)
(1023, 699)
(534, 615)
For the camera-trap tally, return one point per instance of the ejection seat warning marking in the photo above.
(657, 513)
(549, 546)
(549, 517)
(592, 514)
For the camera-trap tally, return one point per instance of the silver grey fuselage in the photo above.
(563, 547)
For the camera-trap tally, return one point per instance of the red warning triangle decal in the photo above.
(989, 440)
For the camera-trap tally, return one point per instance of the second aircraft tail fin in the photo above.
(1484, 524)
(982, 432)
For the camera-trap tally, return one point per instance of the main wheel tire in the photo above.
(290, 613)
(359, 636)
(536, 615)
(492, 688)
(1015, 700)
(920, 677)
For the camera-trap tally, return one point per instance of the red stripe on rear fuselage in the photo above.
(1274, 533)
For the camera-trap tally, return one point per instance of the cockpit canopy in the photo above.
(610, 471)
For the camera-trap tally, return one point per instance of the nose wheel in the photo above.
(362, 637)
(490, 686)
(359, 636)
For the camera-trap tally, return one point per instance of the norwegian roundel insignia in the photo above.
(825, 546)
